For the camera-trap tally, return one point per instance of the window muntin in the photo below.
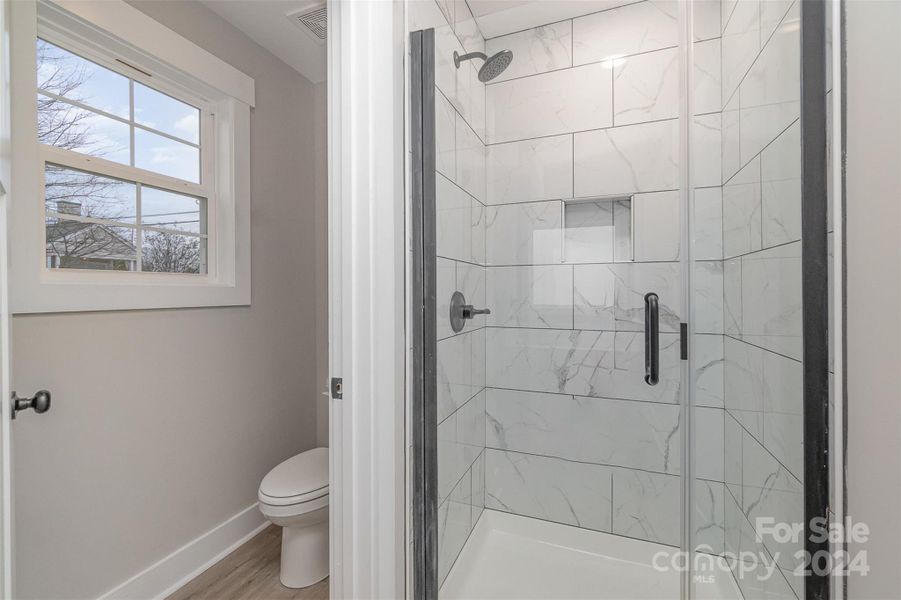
(131, 218)
(101, 223)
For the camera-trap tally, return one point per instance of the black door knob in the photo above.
(40, 402)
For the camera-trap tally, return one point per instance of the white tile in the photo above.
(709, 363)
(646, 506)
(445, 72)
(524, 234)
(470, 160)
(447, 8)
(550, 104)
(478, 115)
(744, 384)
(624, 160)
(732, 296)
(585, 363)
(780, 190)
(593, 297)
(538, 169)
(709, 517)
(478, 221)
(783, 411)
(445, 136)
(454, 373)
(623, 247)
(709, 431)
(505, 17)
(466, 28)
(471, 424)
(589, 232)
(657, 230)
(741, 43)
(708, 91)
(771, 14)
(471, 283)
(478, 487)
(732, 441)
(707, 138)
(771, 92)
(537, 50)
(632, 282)
(731, 152)
(627, 30)
(454, 522)
(646, 87)
(446, 285)
(708, 296)
(457, 448)
(452, 215)
(769, 490)
(771, 299)
(469, 99)
(708, 223)
(741, 211)
(706, 15)
(640, 435)
(478, 364)
(526, 296)
(548, 488)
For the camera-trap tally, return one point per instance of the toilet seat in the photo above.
(300, 480)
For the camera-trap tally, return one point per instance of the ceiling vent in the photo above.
(313, 20)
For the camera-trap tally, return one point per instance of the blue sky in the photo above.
(108, 91)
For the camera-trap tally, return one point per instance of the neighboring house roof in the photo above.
(88, 240)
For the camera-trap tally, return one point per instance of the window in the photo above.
(141, 159)
(134, 222)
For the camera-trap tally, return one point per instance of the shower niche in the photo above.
(598, 230)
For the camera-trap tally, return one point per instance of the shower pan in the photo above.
(620, 351)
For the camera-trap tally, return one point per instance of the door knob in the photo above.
(460, 311)
(40, 402)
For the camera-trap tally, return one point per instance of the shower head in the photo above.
(494, 64)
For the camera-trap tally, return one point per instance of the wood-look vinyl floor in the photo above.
(249, 573)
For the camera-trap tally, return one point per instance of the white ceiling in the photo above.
(265, 22)
(500, 17)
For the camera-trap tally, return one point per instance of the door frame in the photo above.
(6, 501)
(366, 298)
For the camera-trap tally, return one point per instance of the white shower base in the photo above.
(513, 557)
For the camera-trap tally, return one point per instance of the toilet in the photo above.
(294, 496)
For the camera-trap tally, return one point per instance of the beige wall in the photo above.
(874, 290)
(164, 422)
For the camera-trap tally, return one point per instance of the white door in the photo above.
(6, 580)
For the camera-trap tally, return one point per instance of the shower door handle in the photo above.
(651, 339)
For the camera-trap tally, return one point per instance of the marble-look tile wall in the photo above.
(582, 220)
(461, 257)
(761, 275)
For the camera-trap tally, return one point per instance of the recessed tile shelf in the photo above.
(598, 230)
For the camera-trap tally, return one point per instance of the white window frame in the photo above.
(102, 32)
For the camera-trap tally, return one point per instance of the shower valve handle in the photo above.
(469, 312)
(460, 312)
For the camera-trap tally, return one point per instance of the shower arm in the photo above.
(459, 58)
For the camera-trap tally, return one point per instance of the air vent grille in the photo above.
(316, 21)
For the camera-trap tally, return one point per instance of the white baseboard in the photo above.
(172, 572)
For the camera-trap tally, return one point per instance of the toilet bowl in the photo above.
(294, 496)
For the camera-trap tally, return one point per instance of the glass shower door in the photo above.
(556, 464)
(751, 237)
